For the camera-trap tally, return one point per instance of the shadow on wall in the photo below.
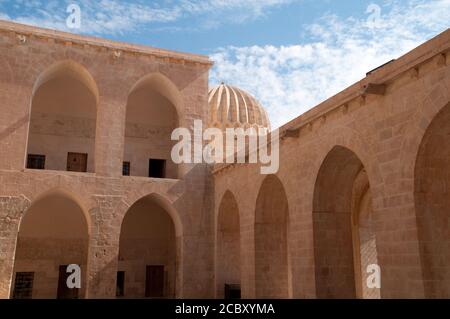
(53, 233)
(13, 127)
(63, 119)
(432, 200)
(271, 249)
(344, 238)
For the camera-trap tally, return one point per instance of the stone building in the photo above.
(86, 178)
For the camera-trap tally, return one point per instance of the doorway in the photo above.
(154, 282)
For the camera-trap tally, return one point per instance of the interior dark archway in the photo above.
(53, 233)
(432, 200)
(148, 258)
(344, 236)
(63, 120)
(228, 257)
(151, 116)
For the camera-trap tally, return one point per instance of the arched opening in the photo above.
(150, 119)
(53, 234)
(364, 237)
(148, 252)
(344, 235)
(271, 248)
(432, 200)
(228, 254)
(63, 120)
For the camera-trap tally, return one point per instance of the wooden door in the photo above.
(77, 162)
(154, 282)
(65, 292)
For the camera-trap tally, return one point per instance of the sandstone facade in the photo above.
(363, 179)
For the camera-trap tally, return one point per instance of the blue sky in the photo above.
(290, 54)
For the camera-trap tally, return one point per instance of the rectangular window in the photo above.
(23, 285)
(157, 168)
(120, 288)
(77, 162)
(126, 168)
(35, 161)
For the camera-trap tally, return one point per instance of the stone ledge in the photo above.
(68, 39)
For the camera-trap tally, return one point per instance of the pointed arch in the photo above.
(164, 86)
(53, 233)
(63, 192)
(150, 250)
(67, 68)
(343, 232)
(271, 245)
(153, 110)
(63, 113)
(432, 203)
(228, 242)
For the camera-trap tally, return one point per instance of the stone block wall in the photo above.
(103, 193)
(397, 138)
(385, 133)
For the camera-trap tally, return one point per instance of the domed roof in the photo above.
(232, 107)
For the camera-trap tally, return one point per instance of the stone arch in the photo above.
(432, 203)
(271, 245)
(426, 110)
(164, 86)
(340, 200)
(68, 193)
(150, 241)
(162, 200)
(53, 233)
(228, 261)
(67, 67)
(63, 114)
(166, 204)
(348, 138)
(153, 110)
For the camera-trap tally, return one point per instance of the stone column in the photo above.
(11, 210)
(397, 243)
(109, 136)
(301, 253)
(104, 246)
(248, 290)
(14, 124)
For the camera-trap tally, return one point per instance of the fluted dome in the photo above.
(233, 107)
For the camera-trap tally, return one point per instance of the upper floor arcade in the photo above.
(81, 104)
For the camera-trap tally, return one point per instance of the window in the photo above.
(157, 168)
(77, 162)
(36, 161)
(23, 285)
(126, 169)
(120, 288)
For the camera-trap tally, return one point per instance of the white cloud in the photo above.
(119, 17)
(289, 80)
